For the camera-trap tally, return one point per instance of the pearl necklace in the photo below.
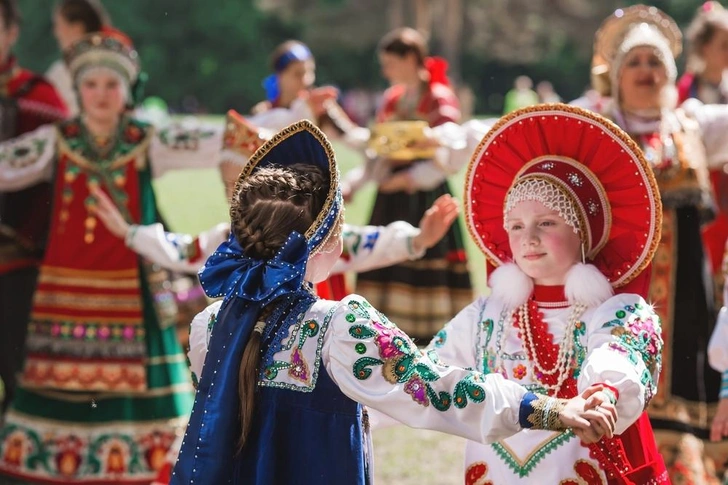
(566, 348)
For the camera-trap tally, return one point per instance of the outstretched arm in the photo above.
(370, 247)
(27, 159)
(173, 251)
(376, 364)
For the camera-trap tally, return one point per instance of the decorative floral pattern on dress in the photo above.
(107, 456)
(440, 338)
(403, 363)
(579, 355)
(297, 366)
(296, 350)
(520, 371)
(639, 338)
(476, 474)
(587, 474)
(490, 357)
(110, 167)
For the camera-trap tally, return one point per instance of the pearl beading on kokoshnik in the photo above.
(566, 348)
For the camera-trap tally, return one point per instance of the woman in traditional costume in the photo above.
(418, 295)
(105, 387)
(564, 225)
(707, 63)
(706, 81)
(72, 20)
(285, 371)
(639, 45)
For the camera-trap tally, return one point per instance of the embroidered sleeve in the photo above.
(176, 252)
(187, 144)
(623, 350)
(724, 386)
(28, 159)
(376, 364)
(371, 247)
(200, 331)
(541, 412)
(459, 342)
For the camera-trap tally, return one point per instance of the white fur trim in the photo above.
(510, 285)
(584, 284)
(587, 285)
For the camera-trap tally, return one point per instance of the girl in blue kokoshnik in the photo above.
(286, 374)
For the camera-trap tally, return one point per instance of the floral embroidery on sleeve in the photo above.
(639, 338)
(440, 339)
(403, 363)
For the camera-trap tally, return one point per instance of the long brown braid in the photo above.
(266, 207)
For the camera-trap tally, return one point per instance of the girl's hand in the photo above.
(109, 214)
(435, 223)
(318, 97)
(719, 427)
(596, 407)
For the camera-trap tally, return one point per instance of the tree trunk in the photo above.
(396, 14)
(452, 37)
(423, 17)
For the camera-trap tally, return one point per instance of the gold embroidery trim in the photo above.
(54, 317)
(111, 284)
(85, 301)
(262, 152)
(546, 413)
(87, 273)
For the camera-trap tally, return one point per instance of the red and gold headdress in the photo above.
(579, 164)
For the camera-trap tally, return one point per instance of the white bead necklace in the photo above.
(566, 348)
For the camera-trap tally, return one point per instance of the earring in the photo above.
(583, 257)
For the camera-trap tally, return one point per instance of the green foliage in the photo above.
(216, 52)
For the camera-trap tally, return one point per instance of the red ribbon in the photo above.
(118, 34)
(437, 67)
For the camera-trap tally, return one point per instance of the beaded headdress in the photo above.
(545, 192)
(111, 49)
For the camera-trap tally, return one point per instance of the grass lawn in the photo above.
(193, 201)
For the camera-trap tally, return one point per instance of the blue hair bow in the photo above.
(272, 88)
(229, 272)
